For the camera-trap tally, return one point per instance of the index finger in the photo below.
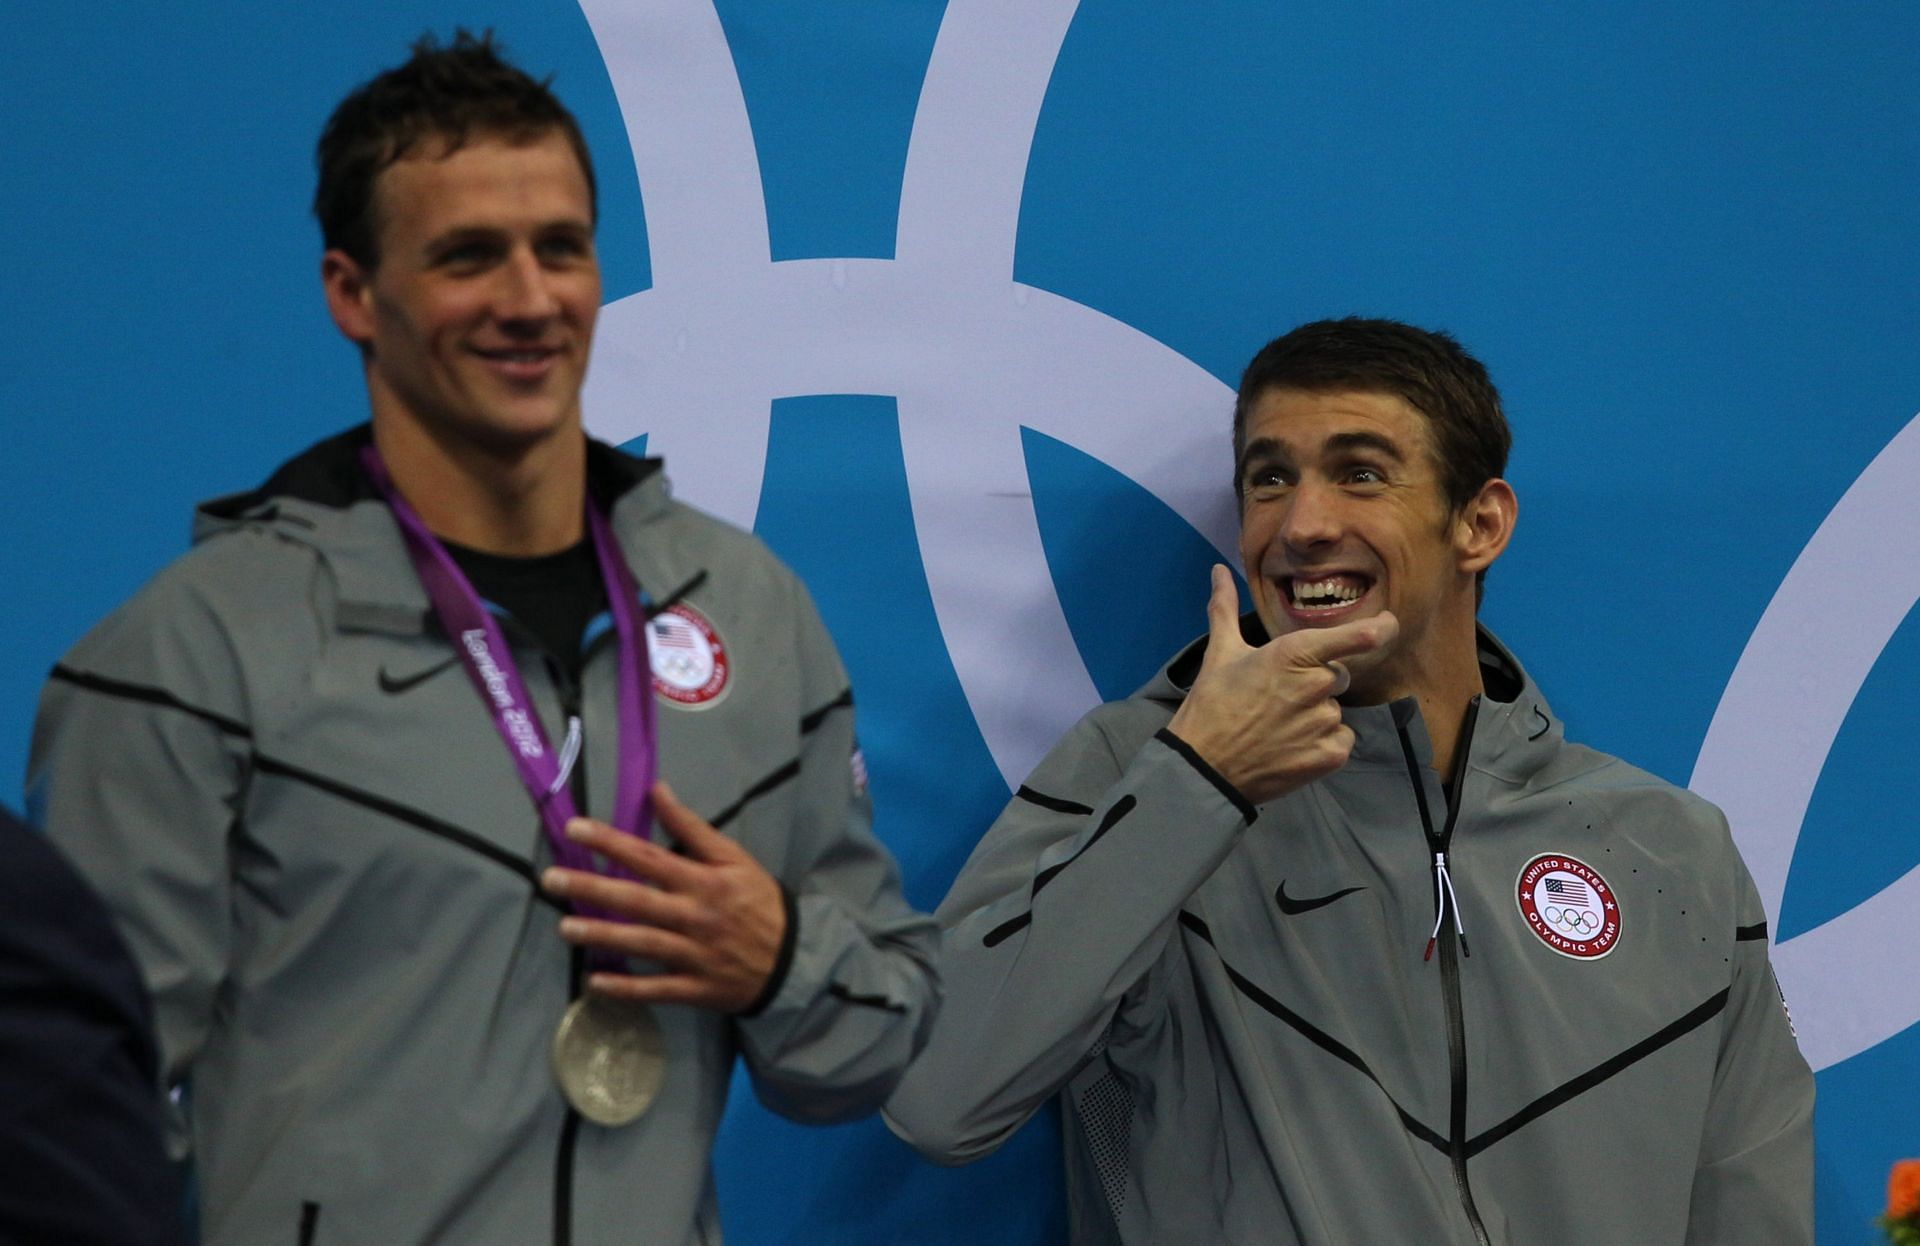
(647, 861)
(701, 839)
(1317, 646)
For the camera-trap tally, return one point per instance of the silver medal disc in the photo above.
(609, 1058)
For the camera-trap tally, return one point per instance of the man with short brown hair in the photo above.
(334, 769)
(1328, 936)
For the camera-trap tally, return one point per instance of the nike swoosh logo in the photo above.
(395, 687)
(1293, 908)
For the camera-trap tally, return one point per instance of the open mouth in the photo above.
(1324, 594)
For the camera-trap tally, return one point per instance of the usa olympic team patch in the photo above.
(1569, 906)
(689, 659)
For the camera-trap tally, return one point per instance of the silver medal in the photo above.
(609, 1058)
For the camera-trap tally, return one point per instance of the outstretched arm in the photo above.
(1056, 921)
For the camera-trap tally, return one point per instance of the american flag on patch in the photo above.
(1569, 889)
(675, 635)
(858, 762)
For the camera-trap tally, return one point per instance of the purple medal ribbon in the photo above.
(482, 650)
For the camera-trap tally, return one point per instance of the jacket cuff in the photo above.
(1207, 772)
(783, 959)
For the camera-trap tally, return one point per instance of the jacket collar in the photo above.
(321, 498)
(1514, 733)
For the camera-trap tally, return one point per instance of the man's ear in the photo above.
(1485, 525)
(349, 295)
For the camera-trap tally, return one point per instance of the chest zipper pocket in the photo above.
(309, 1223)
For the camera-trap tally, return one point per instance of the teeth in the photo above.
(1324, 594)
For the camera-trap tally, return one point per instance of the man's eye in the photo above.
(467, 255)
(1366, 476)
(561, 249)
(1266, 478)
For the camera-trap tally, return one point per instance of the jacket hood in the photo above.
(324, 499)
(1514, 734)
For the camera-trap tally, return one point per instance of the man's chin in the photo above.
(1279, 620)
(1364, 683)
(511, 434)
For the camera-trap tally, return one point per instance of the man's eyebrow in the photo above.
(1360, 440)
(1263, 450)
(1268, 449)
(567, 225)
(460, 235)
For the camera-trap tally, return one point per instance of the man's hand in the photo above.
(1266, 718)
(713, 919)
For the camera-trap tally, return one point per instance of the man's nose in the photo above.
(1312, 517)
(526, 291)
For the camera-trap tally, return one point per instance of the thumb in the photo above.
(1223, 616)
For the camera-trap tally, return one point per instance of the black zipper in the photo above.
(568, 690)
(1450, 943)
(569, 1136)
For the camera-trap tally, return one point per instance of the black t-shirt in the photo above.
(552, 596)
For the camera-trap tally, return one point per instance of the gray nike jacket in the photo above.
(1253, 1045)
(271, 765)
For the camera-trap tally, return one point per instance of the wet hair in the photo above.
(1430, 371)
(441, 94)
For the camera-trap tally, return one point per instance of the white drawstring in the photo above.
(1443, 895)
(569, 753)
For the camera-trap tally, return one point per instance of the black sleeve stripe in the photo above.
(1118, 810)
(1313, 1034)
(810, 721)
(1601, 1072)
(671, 599)
(1212, 776)
(403, 813)
(783, 959)
(1006, 930)
(1745, 934)
(1054, 803)
(782, 775)
(881, 1002)
(151, 696)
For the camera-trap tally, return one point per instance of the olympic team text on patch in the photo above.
(1569, 906)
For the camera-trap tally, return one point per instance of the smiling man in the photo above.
(1328, 935)
(332, 769)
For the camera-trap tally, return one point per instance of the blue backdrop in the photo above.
(944, 300)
